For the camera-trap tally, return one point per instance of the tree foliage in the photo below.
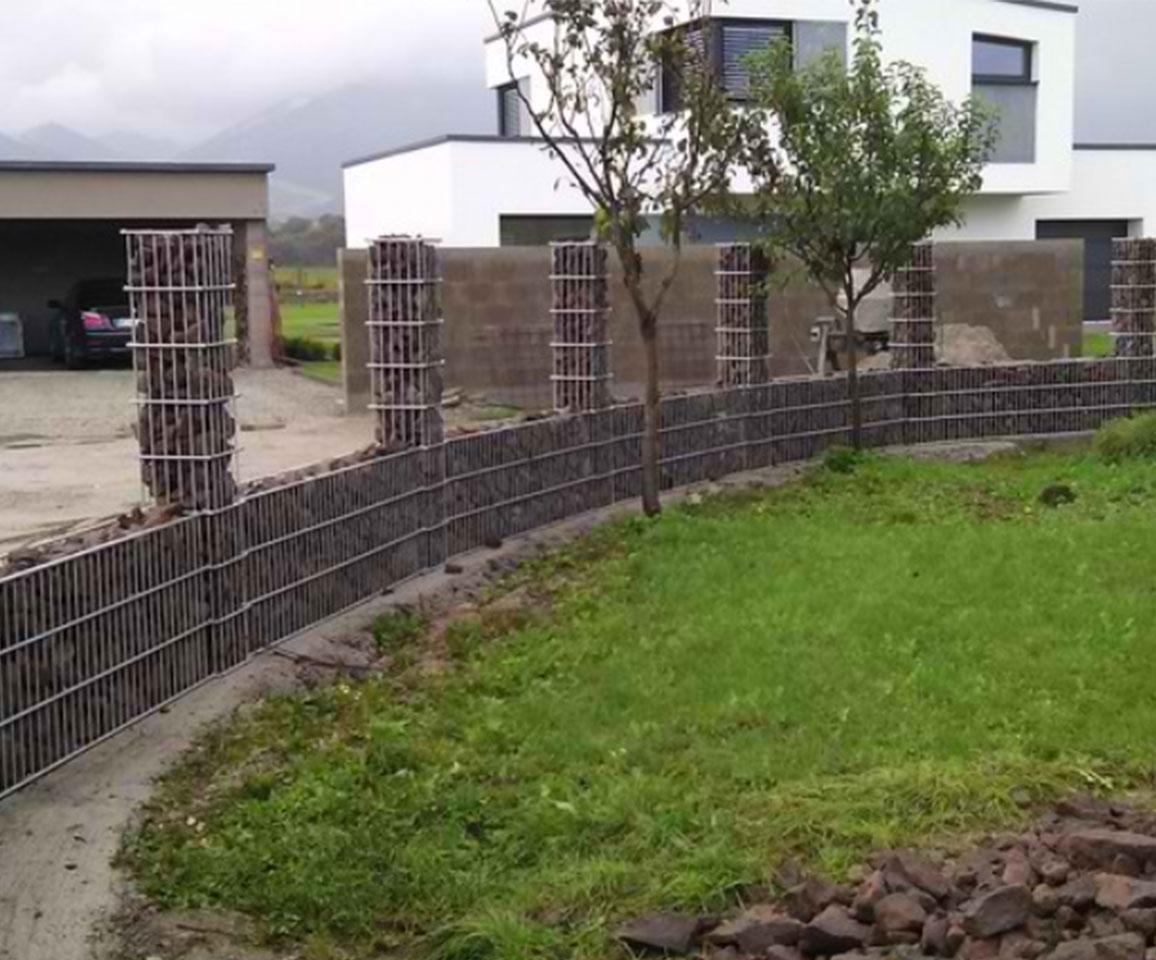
(602, 61)
(861, 161)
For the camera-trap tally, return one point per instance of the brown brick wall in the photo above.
(498, 327)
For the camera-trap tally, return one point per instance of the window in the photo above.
(739, 39)
(725, 45)
(509, 111)
(996, 60)
(1003, 76)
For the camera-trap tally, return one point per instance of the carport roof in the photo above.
(132, 166)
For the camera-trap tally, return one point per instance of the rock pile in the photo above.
(1081, 885)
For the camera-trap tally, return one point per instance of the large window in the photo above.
(509, 111)
(997, 60)
(725, 46)
(1003, 76)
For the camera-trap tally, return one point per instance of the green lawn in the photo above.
(289, 279)
(1098, 345)
(318, 321)
(327, 371)
(899, 655)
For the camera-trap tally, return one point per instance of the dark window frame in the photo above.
(1024, 79)
(503, 91)
(668, 101)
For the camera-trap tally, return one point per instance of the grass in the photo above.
(317, 321)
(290, 279)
(898, 653)
(1098, 345)
(325, 371)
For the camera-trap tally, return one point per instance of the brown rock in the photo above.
(1100, 847)
(909, 869)
(1055, 871)
(833, 931)
(756, 929)
(898, 912)
(665, 933)
(1019, 946)
(1079, 892)
(1003, 909)
(1126, 865)
(1116, 892)
(1045, 900)
(779, 952)
(808, 899)
(979, 949)
(1018, 870)
(1068, 917)
(934, 938)
(956, 937)
(1126, 946)
(1140, 921)
(870, 892)
(1102, 925)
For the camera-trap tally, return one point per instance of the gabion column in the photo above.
(1134, 296)
(180, 289)
(405, 342)
(580, 308)
(742, 324)
(913, 323)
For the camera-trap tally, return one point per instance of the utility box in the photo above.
(11, 337)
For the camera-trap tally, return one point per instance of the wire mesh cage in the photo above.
(1134, 297)
(913, 323)
(580, 310)
(405, 340)
(181, 292)
(742, 325)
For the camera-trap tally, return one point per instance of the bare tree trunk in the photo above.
(853, 380)
(652, 417)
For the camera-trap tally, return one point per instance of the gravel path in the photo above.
(68, 455)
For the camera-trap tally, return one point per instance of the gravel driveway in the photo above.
(68, 455)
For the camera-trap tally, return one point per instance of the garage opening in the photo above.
(1097, 236)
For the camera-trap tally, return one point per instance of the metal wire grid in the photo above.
(913, 324)
(1134, 297)
(180, 290)
(581, 345)
(405, 339)
(742, 326)
(90, 642)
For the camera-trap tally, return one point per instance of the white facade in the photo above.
(459, 189)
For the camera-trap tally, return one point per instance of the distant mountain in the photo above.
(310, 139)
(57, 142)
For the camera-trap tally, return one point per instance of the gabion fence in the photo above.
(742, 325)
(96, 639)
(180, 289)
(913, 323)
(581, 345)
(1134, 297)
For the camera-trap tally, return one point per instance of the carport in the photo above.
(60, 222)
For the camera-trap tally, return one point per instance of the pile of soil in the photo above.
(1081, 885)
(961, 345)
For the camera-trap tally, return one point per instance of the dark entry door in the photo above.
(1097, 236)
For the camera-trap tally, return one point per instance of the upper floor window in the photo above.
(509, 111)
(725, 45)
(997, 60)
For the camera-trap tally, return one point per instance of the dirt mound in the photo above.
(1081, 885)
(962, 345)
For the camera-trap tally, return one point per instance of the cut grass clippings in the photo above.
(900, 654)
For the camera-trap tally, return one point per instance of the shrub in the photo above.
(842, 459)
(1127, 438)
(397, 628)
(306, 349)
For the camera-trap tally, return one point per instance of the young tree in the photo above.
(864, 161)
(601, 59)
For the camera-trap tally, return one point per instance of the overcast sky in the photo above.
(186, 68)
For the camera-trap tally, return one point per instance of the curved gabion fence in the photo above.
(95, 640)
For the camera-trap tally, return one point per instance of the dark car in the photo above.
(93, 321)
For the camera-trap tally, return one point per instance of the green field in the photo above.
(898, 655)
(290, 279)
(314, 321)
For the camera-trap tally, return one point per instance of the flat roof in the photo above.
(445, 138)
(1115, 146)
(131, 166)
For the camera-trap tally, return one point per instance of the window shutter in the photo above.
(739, 40)
(509, 111)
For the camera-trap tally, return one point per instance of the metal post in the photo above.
(913, 323)
(580, 309)
(1134, 296)
(181, 290)
(742, 327)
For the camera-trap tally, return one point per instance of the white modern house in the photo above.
(504, 189)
